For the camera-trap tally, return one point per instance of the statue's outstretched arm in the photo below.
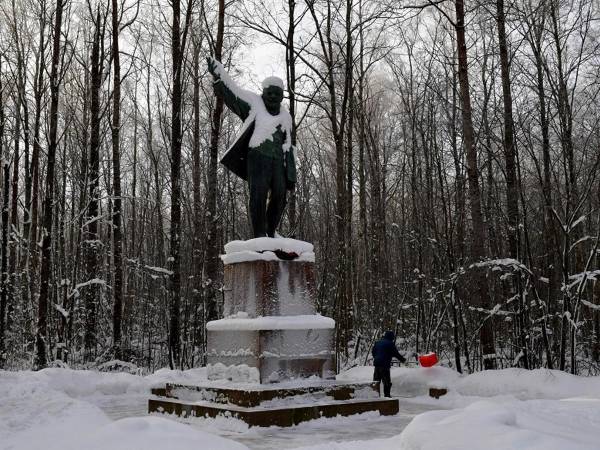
(237, 99)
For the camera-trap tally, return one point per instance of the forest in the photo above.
(447, 156)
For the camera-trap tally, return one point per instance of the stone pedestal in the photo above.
(270, 328)
(271, 337)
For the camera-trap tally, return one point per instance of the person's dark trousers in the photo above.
(267, 186)
(382, 374)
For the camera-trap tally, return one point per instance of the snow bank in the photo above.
(80, 383)
(34, 416)
(523, 425)
(188, 377)
(407, 382)
(152, 433)
(47, 410)
(302, 322)
(528, 384)
(520, 383)
(493, 425)
(493, 410)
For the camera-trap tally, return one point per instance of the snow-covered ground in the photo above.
(507, 409)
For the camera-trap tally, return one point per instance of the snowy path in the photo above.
(122, 406)
(353, 428)
(359, 427)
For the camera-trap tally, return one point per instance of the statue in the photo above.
(262, 153)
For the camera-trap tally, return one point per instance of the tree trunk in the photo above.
(480, 294)
(117, 203)
(290, 59)
(4, 242)
(347, 310)
(4, 268)
(510, 156)
(45, 270)
(91, 245)
(35, 156)
(178, 38)
(13, 232)
(212, 242)
(197, 201)
(363, 268)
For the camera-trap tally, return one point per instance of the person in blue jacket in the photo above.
(383, 352)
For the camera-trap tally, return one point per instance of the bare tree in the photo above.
(3, 264)
(178, 45)
(481, 294)
(45, 269)
(211, 225)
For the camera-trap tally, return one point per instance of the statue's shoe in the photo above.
(287, 256)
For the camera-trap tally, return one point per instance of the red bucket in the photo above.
(428, 360)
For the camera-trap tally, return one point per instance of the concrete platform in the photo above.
(276, 416)
(266, 405)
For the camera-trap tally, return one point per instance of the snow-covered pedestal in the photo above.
(271, 322)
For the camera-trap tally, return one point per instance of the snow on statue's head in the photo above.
(272, 94)
(273, 81)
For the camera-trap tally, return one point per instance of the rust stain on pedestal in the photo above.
(252, 286)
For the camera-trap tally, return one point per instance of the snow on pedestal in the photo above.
(266, 244)
(242, 322)
(271, 322)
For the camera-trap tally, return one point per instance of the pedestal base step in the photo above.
(252, 397)
(276, 416)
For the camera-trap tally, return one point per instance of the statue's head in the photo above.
(272, 94)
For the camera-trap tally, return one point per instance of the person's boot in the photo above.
(387, 391)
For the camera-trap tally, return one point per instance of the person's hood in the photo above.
(389, 335)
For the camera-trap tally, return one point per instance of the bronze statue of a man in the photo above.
(262, 153)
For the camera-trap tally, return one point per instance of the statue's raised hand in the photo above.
(212, 67)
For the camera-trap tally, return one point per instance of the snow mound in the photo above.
(117, 365)
(82, 383)
(520, 383)
(34, 416)
(153, 433)
(44, 410)
(408, 382)
(188, 377)
(494, 425)
(528, 384)
(523, 425)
